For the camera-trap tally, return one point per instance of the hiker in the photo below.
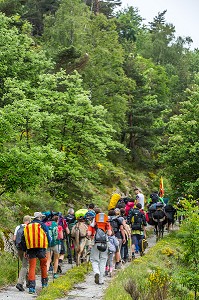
(56, 234)
(116, 222)
(130, 204)
(113, 247)
(71, 221)
(139, 197)
(22, 274)
(36, 238)
(137, 221)
(98, 232)
(127, 232)
(62, 222)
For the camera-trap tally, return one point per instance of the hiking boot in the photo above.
(19, 286)
(118, 265)
(59, 269)
(55, 275)
(44, 282)
(97, 278)
(31, 290)
(133, 256)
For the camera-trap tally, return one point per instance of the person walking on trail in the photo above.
(71, 221)
(36, 240)
(62, 222)
(116, 222)
(22, 274)
(139, 197)
(113, 247)
(137, 220)
(56, 234)
(98, 231)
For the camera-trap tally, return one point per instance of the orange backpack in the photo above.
(101, 220)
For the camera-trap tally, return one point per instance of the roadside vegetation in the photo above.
(170, 270)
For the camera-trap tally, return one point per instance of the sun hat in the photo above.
(37, 215)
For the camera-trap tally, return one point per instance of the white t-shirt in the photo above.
(140, 199)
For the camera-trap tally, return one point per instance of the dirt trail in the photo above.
(89, 290)
(86, 290)
(12, 293)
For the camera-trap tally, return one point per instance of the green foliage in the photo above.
(181, 161)
(9, 263)
(190, 259)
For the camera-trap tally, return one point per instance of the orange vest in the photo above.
(35, 236)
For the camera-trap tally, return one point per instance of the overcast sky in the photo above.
(183, 14)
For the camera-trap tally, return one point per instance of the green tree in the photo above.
(190, 272)
(61, 136)
(19, 56)
(105, 7)
(180, 150)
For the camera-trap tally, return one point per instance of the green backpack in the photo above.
(53, 232)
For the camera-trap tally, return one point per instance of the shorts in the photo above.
(136, 238)
(62, 247)
(36, 253)
(55, 249)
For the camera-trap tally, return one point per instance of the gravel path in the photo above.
(12, 293)
(86, 290)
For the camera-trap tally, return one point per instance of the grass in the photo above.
(9, 263)
(61, 286)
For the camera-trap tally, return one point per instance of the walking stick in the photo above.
(18, 265)
(130, 246)
(69, 251)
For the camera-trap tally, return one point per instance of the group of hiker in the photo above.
(112, 239)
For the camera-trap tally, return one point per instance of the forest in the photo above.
(92, 100)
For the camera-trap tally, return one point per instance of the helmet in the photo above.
(102, 247)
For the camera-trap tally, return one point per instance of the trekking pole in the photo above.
(88, 260)
(51, 264)
(130, 248)
(18, 264)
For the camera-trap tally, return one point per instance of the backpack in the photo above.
(136, 219)
(53, 232)
(101, 239)
(19, 235)
(71, 221)
(35, 236)
(115, 225)
(81, 213)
